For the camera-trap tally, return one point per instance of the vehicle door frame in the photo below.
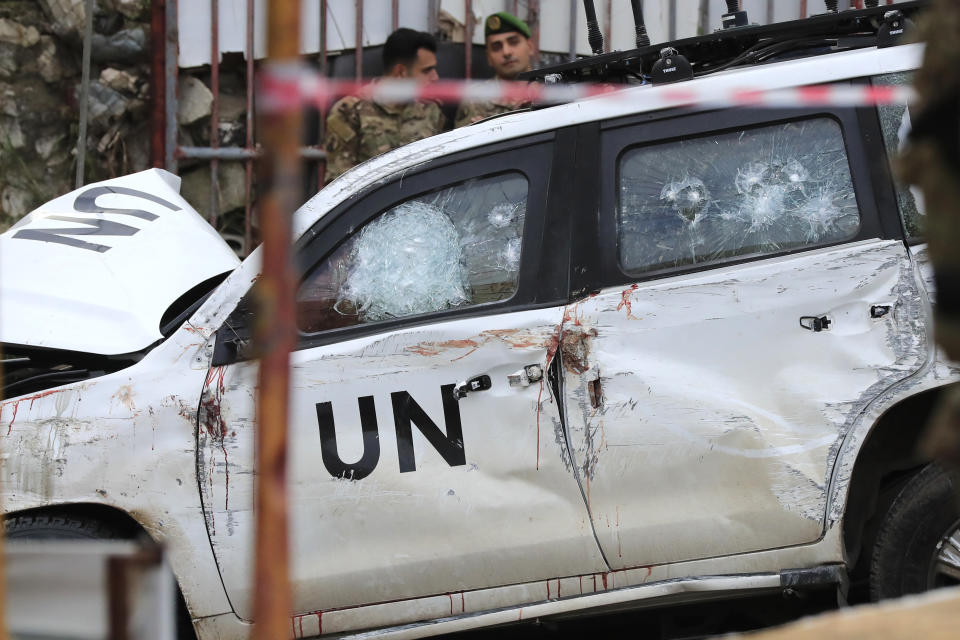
(596, 241)
(543, 279)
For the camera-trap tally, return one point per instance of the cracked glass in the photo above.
(895, 123)
(450, 248)
(741, 193)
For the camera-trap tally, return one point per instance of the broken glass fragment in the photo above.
(406, 262)
(689, 196)
(447, 248)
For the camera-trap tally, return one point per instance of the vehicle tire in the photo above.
(57, 527)
(918, 544)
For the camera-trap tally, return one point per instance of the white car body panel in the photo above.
(65, 284)
(712, 372)
(134, 440)
(510, 513)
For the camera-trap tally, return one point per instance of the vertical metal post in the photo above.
(394, 15)
(171, 63)
(158, 123)
(468, 39)
(248, 142)
(672, 24)
(275, 334)
(703, 19)
(514, 5)
(84, 91)
(572, 42)
(433, 12)
(215, 111)
(358, 36)
(322, 113)
(533, 20)
(803, 8)
(608, 26)
(769, 11)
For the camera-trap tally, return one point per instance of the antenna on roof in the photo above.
(734, 17)
(643, 40)
(594, 37)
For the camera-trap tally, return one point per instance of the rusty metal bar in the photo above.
(158, 121)
(215, 110)
(322, 114)
(170, 88)
(242, 153)
(275, 334)
(118, 601)
(608, 26)
(358, 41)
(249, 139)
(533, 20)
(468, 39)
(394, 15)
(803, 8)
(84, 91)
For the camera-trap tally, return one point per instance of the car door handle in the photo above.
(474, 384)
(526, 376)
(815, 323)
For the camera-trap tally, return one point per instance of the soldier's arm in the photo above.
(465, 115)
(342, 140)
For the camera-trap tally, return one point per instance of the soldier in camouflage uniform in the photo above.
(358, 130)
(509, 53)
(932, 162)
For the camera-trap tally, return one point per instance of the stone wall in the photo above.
(41, 48)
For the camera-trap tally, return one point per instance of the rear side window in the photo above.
(453, 247)
(735, 194)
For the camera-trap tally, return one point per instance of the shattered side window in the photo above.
(453, 247)
(895, 123)
(741, 193)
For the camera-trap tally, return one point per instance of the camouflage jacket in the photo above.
(470, 112)
(358, 130)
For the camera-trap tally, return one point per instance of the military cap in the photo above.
(503, 22)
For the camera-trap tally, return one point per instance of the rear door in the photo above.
(404, 482)
(751, 297)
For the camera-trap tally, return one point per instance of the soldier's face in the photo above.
(509, 54)
(423, 69)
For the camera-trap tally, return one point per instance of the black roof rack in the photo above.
(726, 48)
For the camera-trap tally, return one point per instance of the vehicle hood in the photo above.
(95, 270)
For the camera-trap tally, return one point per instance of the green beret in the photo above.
(504, 22)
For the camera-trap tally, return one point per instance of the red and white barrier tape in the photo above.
(290, 88)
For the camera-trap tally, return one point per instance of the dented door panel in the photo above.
(705, 420)
(419, 516)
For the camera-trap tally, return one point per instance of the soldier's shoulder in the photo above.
(348, 105)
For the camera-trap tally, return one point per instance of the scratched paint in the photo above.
(436, 514)
(723, 409)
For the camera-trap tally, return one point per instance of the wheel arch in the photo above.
(126, 526)
(887, 454)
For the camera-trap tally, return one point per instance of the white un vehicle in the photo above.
(561, 361)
